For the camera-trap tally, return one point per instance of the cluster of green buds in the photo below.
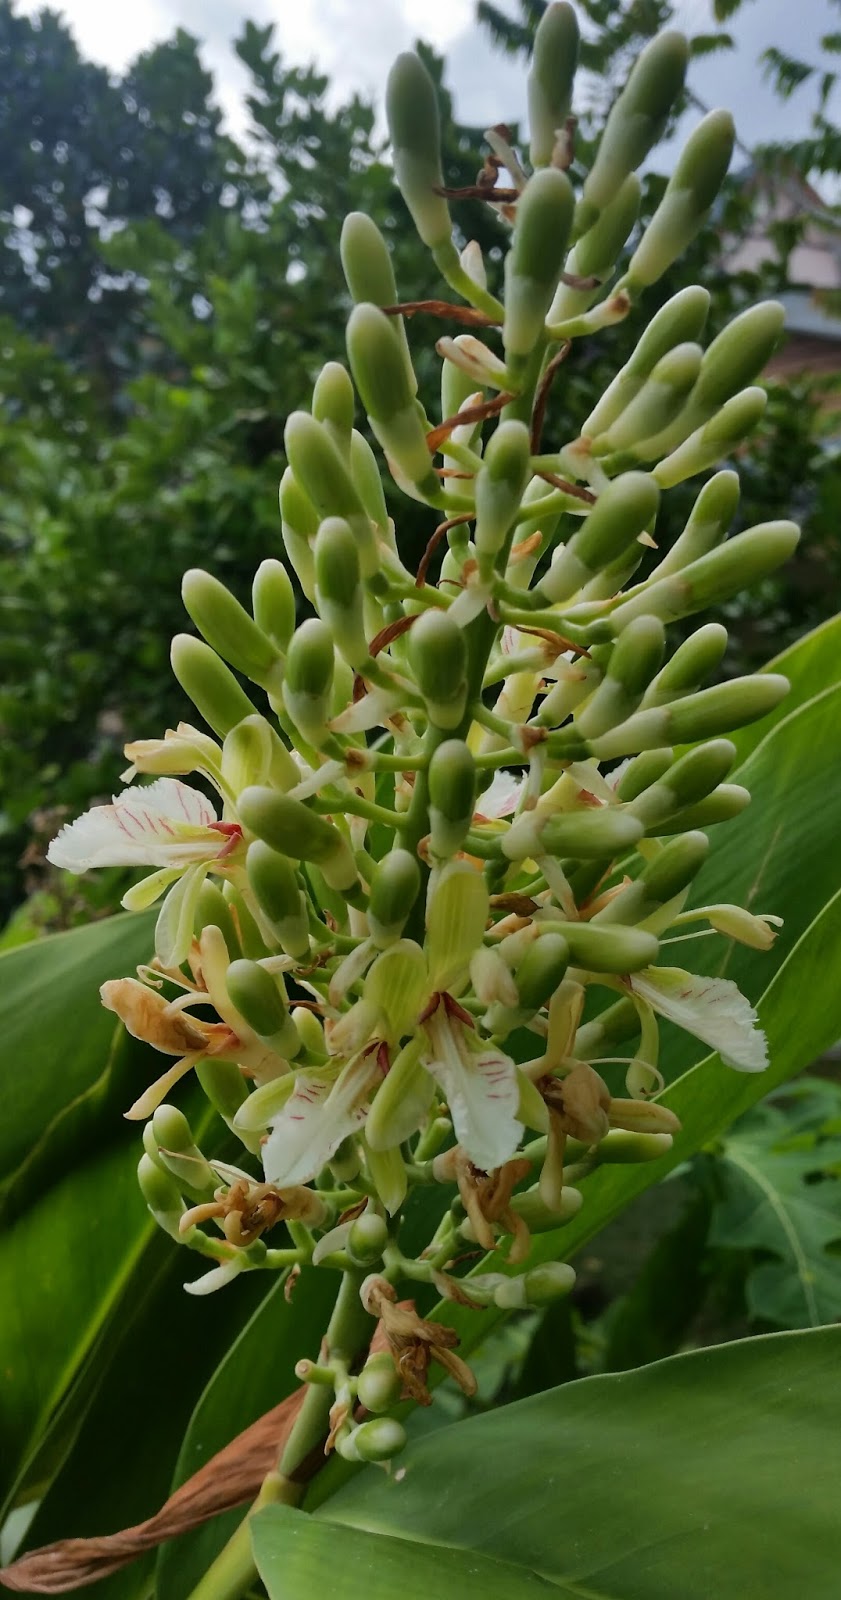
(449, 811)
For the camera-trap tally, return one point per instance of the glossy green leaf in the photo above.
(256, 1373)
(779, 1171)
(713, 1473)
(812, 664)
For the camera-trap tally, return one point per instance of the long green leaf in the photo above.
(812, 664)
(710, 1474)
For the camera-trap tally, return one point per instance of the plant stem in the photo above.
(348, 1332)
(234, 1570)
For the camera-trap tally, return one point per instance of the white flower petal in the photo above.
(174, 927)
(318, 1115)
(502, 796)
(161, 824)
(713, 1009)
(483, 1096)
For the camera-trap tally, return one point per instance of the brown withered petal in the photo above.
(582, 1100)
(229, 1479)
(147, 1016)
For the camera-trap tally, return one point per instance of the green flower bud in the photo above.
(438, 658)
(162, 1196)
(725, 706)
(411, 107)
(367, 1239)
(292, 829)
(500, 486)
(212, 688)
(223, 1084)
(150, 1146)
(273, 603)
(541, 970)
(326, 480)
(452, 796)
(636, 428)
(588, 834)
(726, 802)
(715, 577)
(261, 1000)
(367, 481)
(666, 875)
(338, 589)
(614, 949)
(597, 251)
(679, 321)
(250, 937)
(685, 206)
(713, 511)
(308, 687)
(299, 525)
(692, 663)
(550, 80)
(548, 1282)
(378, 1440)
(333, 404)
(379, 1386)
(643, 770)
(179, 1152)
(395, 885)
(456, 387)
(620, 514)
(739, 354)
(540, 1218)
(636, 122)
(620, 1147)
(229, 630)
(379, 372)
(366, 262)
(213, 911)
(709, 444)
(691, 778)
(632, 665)
(536, 259)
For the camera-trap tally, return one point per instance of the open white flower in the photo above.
(502, 796)
(165, 825)
(479, 1082)
(713, 1009)
(323, 1109)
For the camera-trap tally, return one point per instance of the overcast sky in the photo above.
(354, 41)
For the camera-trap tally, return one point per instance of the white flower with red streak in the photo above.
(165, 825)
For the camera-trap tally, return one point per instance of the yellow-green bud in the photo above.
(679, 321)
(179, 1152)
(541, 970)
(548, 1282)
(261, 1000)
(333, 404)
(620, 514)
(685, 206)
(636, 122)
(632, 664)
(379, 372)
(642, 771)
(438, 657)
(395, 885)
(692, 663)
(210, 685)
(739, 354)
(550, 80)
(725, 802)
(298, 525)
(711, 516)
(452, 796)
(726, 705)
(715, 577)
(229, 630)
(366, 261)
(224, 1085)
(213, 911)
(411, 106)
(308, 686)
(273, 602)
(367, 1239)
(500, 485)
(293, 830)
(588, 834)
(535, 260)
(538, 1217)
(691, 778)
(366, 477)
(620, 1147)
(325, 478)
(247, 753)
(379, 1386)
(666, 875)
(709, 444)
(162, 1196)
(338, 589)
(614, 949)
(597, 251)
(378, 1440)
(637, 427)
(279, 895)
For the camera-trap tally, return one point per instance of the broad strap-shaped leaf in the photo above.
(710, 1474)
